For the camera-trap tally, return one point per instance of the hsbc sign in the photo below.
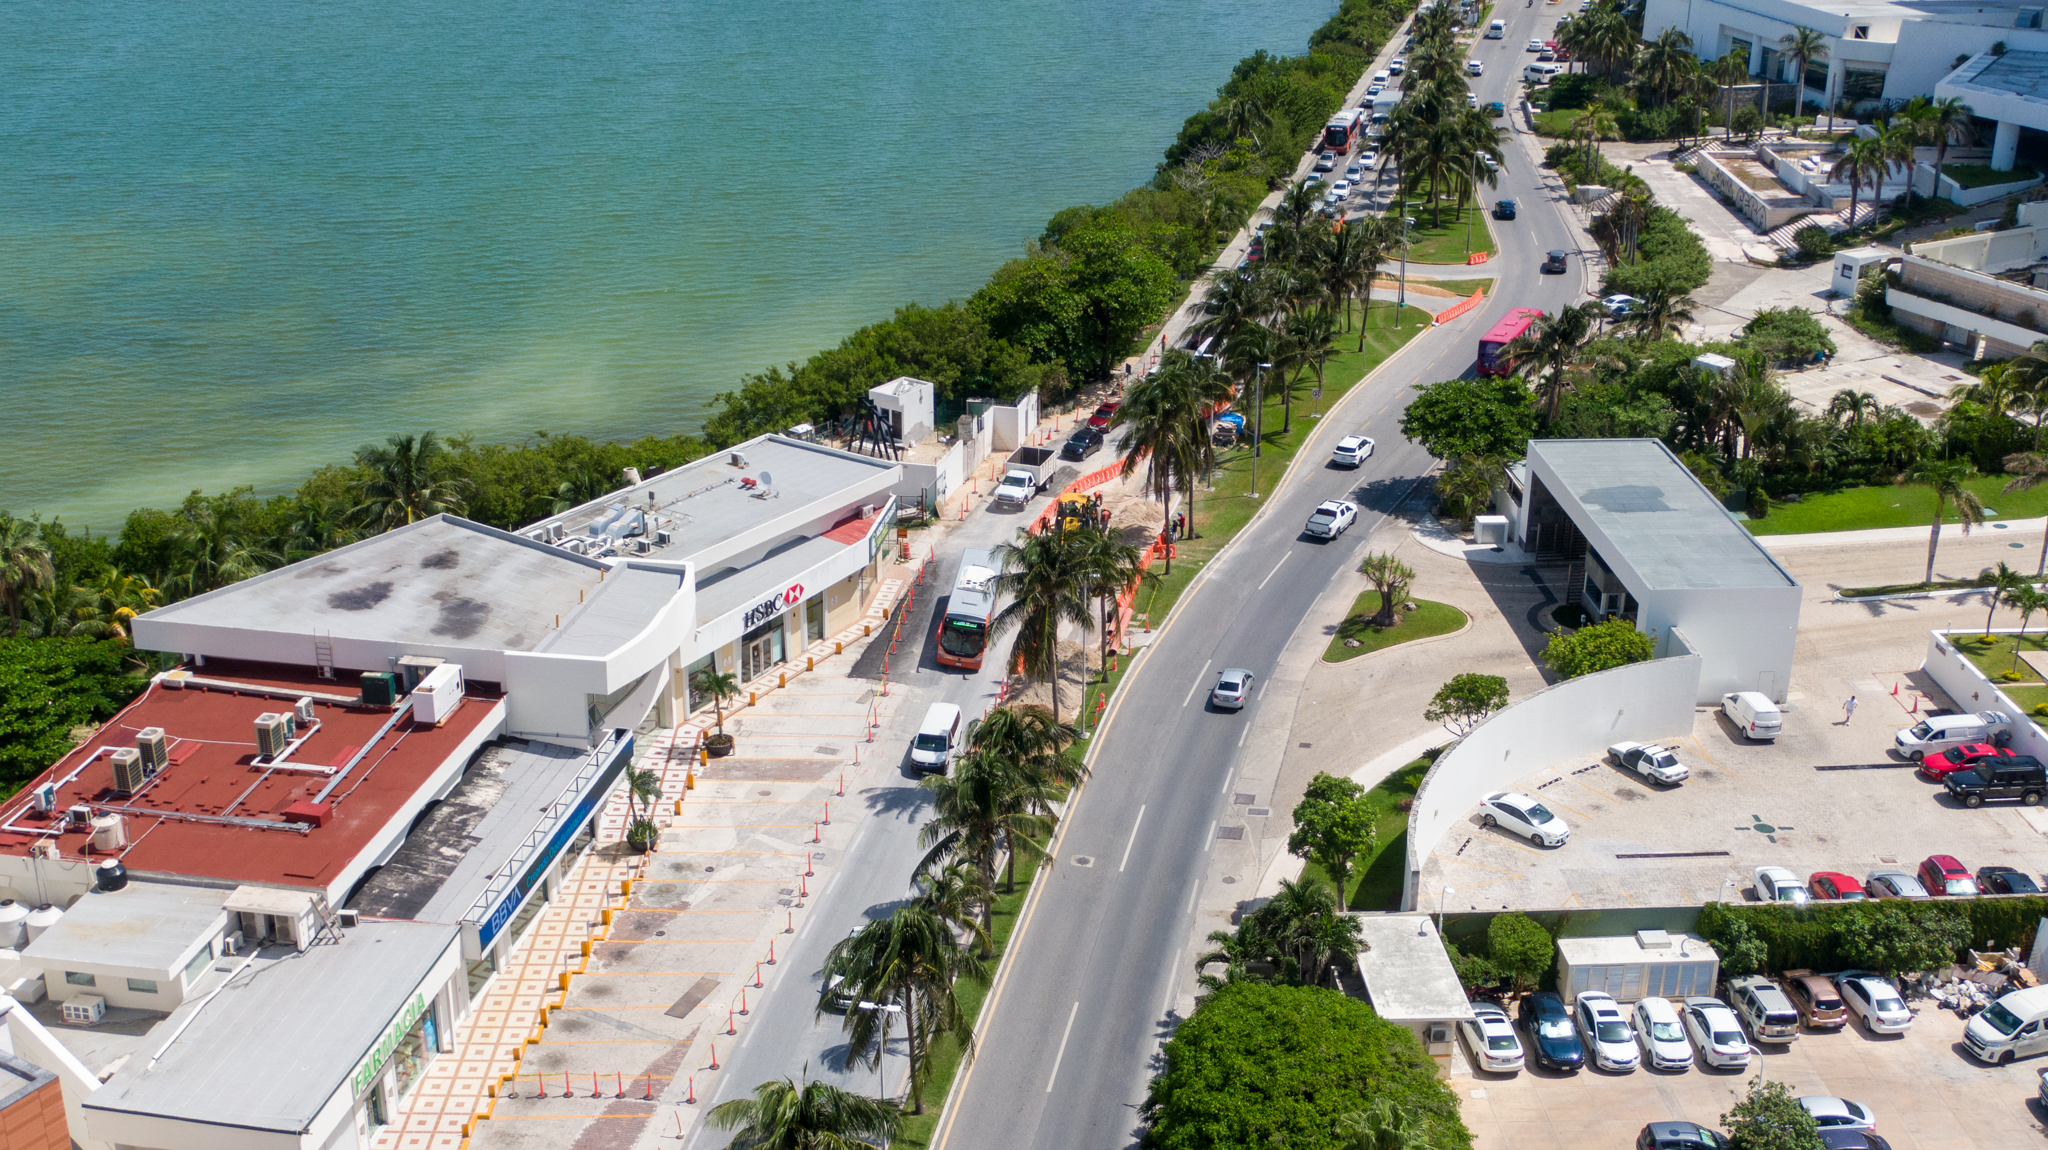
(774, 605)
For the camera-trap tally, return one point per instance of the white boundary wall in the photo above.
(1642, 701)
(1971, 691)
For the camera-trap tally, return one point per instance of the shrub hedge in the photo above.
(1811, 937)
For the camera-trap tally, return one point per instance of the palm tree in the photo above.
(1111, 566)
(1947, 120)
(2004, 581)
(1304, 346)
(910, 959)
(1895, 148)
(1946, 478)
(1666, 64)
(1166, 413)
(1854, 164)
(1853, 407)
(1391, 578)
(1802, 46)
(117, 599)
(955, 894)
(1376, 237)
(1245, 115)
(790, 1115)
(322, 523)
(1555, 343)
(2027, 601)
(1047, 585)
(1662, 309)
(24, 564)
(2028, 469)
(720, 685)
(214, 545)
(643, 787)
(987, 805)
(1385, 1126)
(1234, 301)
(406, 481)
(1731, 70)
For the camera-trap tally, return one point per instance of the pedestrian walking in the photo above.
(1848, 710)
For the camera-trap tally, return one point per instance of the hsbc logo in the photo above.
(774, 605)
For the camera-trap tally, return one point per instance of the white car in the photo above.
(1492, 1039)
(1491, 164)
(1471, 100)
(1474, 68)
(1619, 306)
(1398, 66)
(1326, 162)
(1233, 687)
(1609, 1037)
(1369, 157)
(1517, 812)
(1876, 1002)
(1351, 451)
(1716, 1033)
(1535, 45)
(1831, 1113)
(1354, 172)
(1776, 884)
(1650, 761)
(1331, 519)
(1387, 73)
(1661, 1035)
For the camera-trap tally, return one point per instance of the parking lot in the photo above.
(1825, 796)
(1926, 1093)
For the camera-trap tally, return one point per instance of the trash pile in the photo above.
(1971, 987)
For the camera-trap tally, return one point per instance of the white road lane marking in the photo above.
(1197, 684)
(1134, 841)
(1194, 888)
(1064, 1035)
(1172, 983)
(1241, 734)
(1211, 838)
(1274, 571)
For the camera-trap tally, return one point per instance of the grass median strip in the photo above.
(1895, 506)
(1429, 618)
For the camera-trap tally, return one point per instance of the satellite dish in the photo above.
(766, 479)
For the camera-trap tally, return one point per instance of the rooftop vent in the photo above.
(1653, 940)
(632, 477)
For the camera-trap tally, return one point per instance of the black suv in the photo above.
(2020, 777)
(1553, 264)
(1082, 444)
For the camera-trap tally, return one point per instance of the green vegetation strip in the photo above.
(1429, 618)
(1375, 880)
(1890, 506)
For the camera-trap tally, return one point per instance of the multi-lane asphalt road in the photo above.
(1072, 1033)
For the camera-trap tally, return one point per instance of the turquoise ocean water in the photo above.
(239, 238)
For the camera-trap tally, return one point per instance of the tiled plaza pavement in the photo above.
(667, 961)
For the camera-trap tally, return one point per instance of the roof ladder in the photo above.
(323, 653)
(330, 922)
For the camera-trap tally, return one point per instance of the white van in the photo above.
(1382, 76)
(938, 737)
(1541, 73)
(1753, 714)
(2016, 1026)
(1938, 733)
(1497, 30)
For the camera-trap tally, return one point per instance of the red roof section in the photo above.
(212, 734)
(853, 530)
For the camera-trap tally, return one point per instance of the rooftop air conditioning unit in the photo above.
(155, 747)
(80, 816)
(46, 798)
(348, 916)
(303, 709)
(737, 460)
(128, 776)
(664, 537)
(273, 731)
(85, 1010)
(553, 532)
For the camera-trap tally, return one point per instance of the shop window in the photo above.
(602, 705)
(1817, 75)
(76, 979)
(814, 619)
(1858, 86)
(697, 698)
(142, 985)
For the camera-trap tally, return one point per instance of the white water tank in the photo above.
(109, 833)
(41, 919)
(13, 924)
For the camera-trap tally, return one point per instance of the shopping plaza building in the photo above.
(251, 909)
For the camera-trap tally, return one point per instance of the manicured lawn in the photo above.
(1981, 175)
(1432, 243)
(1558, 124)
(1455, 287)
(1996, 661)
(1427, 619)
(1375, 883)
(1893, 506)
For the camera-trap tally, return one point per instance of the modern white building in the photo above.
(1645, 542)
(1884, 51)
(1409, 978)
(1646, 964)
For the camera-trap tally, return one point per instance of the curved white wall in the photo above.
(1642, 701)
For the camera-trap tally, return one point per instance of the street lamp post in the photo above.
(1401, 297)
(1440, 908)
(881, 1067)
(1472, 192)
(1258, 420)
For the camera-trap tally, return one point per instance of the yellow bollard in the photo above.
(606, 915)
(753, 699)
(625, 888)
(781, 679)
(690, 777)
(838, 648)
(703, 758)
(565, 974)
(679, 806)
(809, 664)
(867, 629)
(587, 945)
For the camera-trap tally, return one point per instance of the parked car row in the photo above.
(1938, 876)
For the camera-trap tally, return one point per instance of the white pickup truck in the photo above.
(1024, 474)
(1017, 488)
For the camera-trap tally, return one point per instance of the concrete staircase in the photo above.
(1832, 221)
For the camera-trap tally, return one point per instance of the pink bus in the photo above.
(1492, 361)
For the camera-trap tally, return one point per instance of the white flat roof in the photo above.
(1408, 976)
(1620, 949)
(142, 926)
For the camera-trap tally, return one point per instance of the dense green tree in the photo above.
(407, 479)
(1081, 302)
(25, 565)
(1770, 1118)
(1947, 478)
(1520, 948)
(1280, 1066)
(789, 1115)
(50, 687)
(1890, 941)
(1466, 701)
(1600, 647)
(1047, 582)
(1489, 415)
(1334, 823)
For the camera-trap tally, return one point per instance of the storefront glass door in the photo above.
(761, 650)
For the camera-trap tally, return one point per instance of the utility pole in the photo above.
(1258, 420)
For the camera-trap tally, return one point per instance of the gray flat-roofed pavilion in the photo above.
(271, 1048)
(142, 925)
(1640, 539)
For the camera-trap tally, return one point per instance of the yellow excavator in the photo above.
(1074, 510)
